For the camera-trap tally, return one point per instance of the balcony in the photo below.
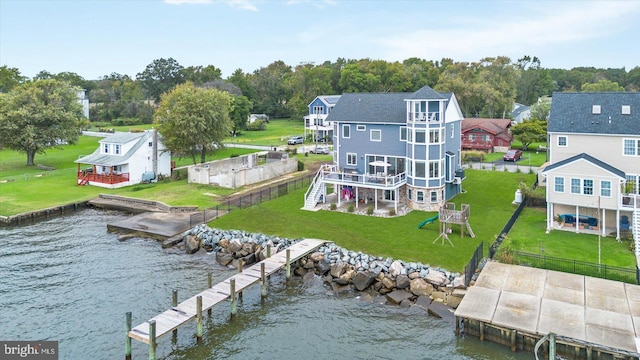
(630, 201)
(432, 117)
(331, 174)
(87, 176)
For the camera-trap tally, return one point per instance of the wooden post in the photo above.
(240, 264)
(174, 303)
(152, 340)
(209, 286)
(552, 344)
(263, 284)
(127, 342)
(232, 294)
(288, 265)
(514, 335)
(199, 319)
(457, 325)
(589, 353)
(481, 331)
(268, 251)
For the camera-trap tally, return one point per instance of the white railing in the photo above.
(630, 201)
(331, 173)
(433, 116)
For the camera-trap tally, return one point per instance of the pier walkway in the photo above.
(596, 314)
(188, 309)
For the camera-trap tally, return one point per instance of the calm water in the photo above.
(69, 280)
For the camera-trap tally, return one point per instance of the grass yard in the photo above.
(532, 158)
(277, 133)
(397, 237)
(528, 235)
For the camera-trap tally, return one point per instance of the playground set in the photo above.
(449, 215)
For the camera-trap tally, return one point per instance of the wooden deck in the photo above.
(186, 310)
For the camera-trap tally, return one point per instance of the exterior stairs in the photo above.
(312, 196)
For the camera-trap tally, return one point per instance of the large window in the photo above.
(434, 136)
(605, 188)
(575, 186)
(346, 131)
(318, 109)
(420, 137)
(420, 169)
(375, 135)
(562, 141)
(403, 133)
(631, 147)
(352, 159)
(587, 187)
(559, 184)
(434, 169)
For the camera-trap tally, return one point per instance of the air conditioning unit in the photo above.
(457, 180)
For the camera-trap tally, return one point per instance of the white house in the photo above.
(84, 101)
(124, 159)
(594, 163)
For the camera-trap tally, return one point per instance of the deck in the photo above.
(186, 310)
(598, 312)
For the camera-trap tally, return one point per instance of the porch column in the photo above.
(110, 174)
(395, 200)
(356, 197)
(577, 218)
(549, 217)
(375, 198)
(339, 193)
(604, 221)
(617, 224)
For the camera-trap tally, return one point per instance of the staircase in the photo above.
(312, 195)
(84, 180)
(636, 230)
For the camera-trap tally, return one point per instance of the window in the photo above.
(631, 147)
(434, 169)
(486, 138)
(403, 133)
(575, 186)
(318, 109)
(106, 148)
(420, 196)
(434, 196)
(409, 168)
(562, 141)
(420, 169)
(453, 130)
(631, 184)
(117, 149)
(559, 184)
(626, 109)
(420, 137)
(375, 135)
(346, 131)
(150, 143)
(352, 159)
(361, 127)
(605, 188)
(409, 194)
(587, 187)
(472, 137)
(434, 136)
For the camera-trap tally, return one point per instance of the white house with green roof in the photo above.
(124, 159)
(594, 163)
(394, 148)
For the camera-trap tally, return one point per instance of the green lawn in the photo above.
(528, 235)
(397, 237)
(277, 133)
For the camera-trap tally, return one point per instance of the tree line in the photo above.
(486, 88)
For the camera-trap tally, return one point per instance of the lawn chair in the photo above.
(624, 222)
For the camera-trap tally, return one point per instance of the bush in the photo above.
(350, 208)
(234, 156)
(258, 125)
(392, 212)
(370, 210)
(474, 155)
(333, 206)
(300, 165)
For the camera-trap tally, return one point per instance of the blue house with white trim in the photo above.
(399, 148)
(316, 123)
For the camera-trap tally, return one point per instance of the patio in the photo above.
(384, 206)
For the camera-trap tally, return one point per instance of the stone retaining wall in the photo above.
(37, 215)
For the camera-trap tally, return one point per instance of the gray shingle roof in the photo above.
(330, 99)
(379, 107)
(122, 137)
(111, 160)
(572, 113)
(588, 158)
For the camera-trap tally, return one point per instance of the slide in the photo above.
(428, 221)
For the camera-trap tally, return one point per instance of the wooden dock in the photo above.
(189, 309)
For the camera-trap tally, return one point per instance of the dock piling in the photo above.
(240, 264)
(209, 286)
(127, 342)
(269, 251)
(514, 335)
(199, 319)
(232, 294)
(552, 346)
(481, 331)
(288, 264)
(263, 282)
(174, 303)
(152, 340)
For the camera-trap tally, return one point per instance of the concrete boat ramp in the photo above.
(590, 314)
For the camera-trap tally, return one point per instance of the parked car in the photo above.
(512, 155)
(320, 149)
(296, 140)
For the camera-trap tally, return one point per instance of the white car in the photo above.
(296, 140)
(320, 149)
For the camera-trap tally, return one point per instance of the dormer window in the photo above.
(626, 109)
(106, 148)
(596, 110)
(117, 149)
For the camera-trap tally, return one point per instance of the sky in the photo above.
(94, 38)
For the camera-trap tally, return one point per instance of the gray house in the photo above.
(396, 148)
(594, 156)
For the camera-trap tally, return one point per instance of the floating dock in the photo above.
(170, 320)
(517, 306)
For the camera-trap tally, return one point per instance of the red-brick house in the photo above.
(486, 134)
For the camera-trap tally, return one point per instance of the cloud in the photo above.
(239, 4)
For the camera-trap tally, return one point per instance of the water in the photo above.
(67, 279)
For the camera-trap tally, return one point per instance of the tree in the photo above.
(240, 110)
(601, 86)
(39, 115)
(533, 81)
(541, 109)
(194, 120)
(9, 78)
(530, 131)
(200, 75)
(160, 76)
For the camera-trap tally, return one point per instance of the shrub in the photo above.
(392, 212)
(333, 206)
(473, 155)
(370, 210)
(258, 125)
(300, 165)
(350, 208)
(234, 156)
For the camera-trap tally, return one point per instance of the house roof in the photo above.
(519, 109)
(588, 158)
(379, 107)
(111, 160)
(494, 126)
(573, 113)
